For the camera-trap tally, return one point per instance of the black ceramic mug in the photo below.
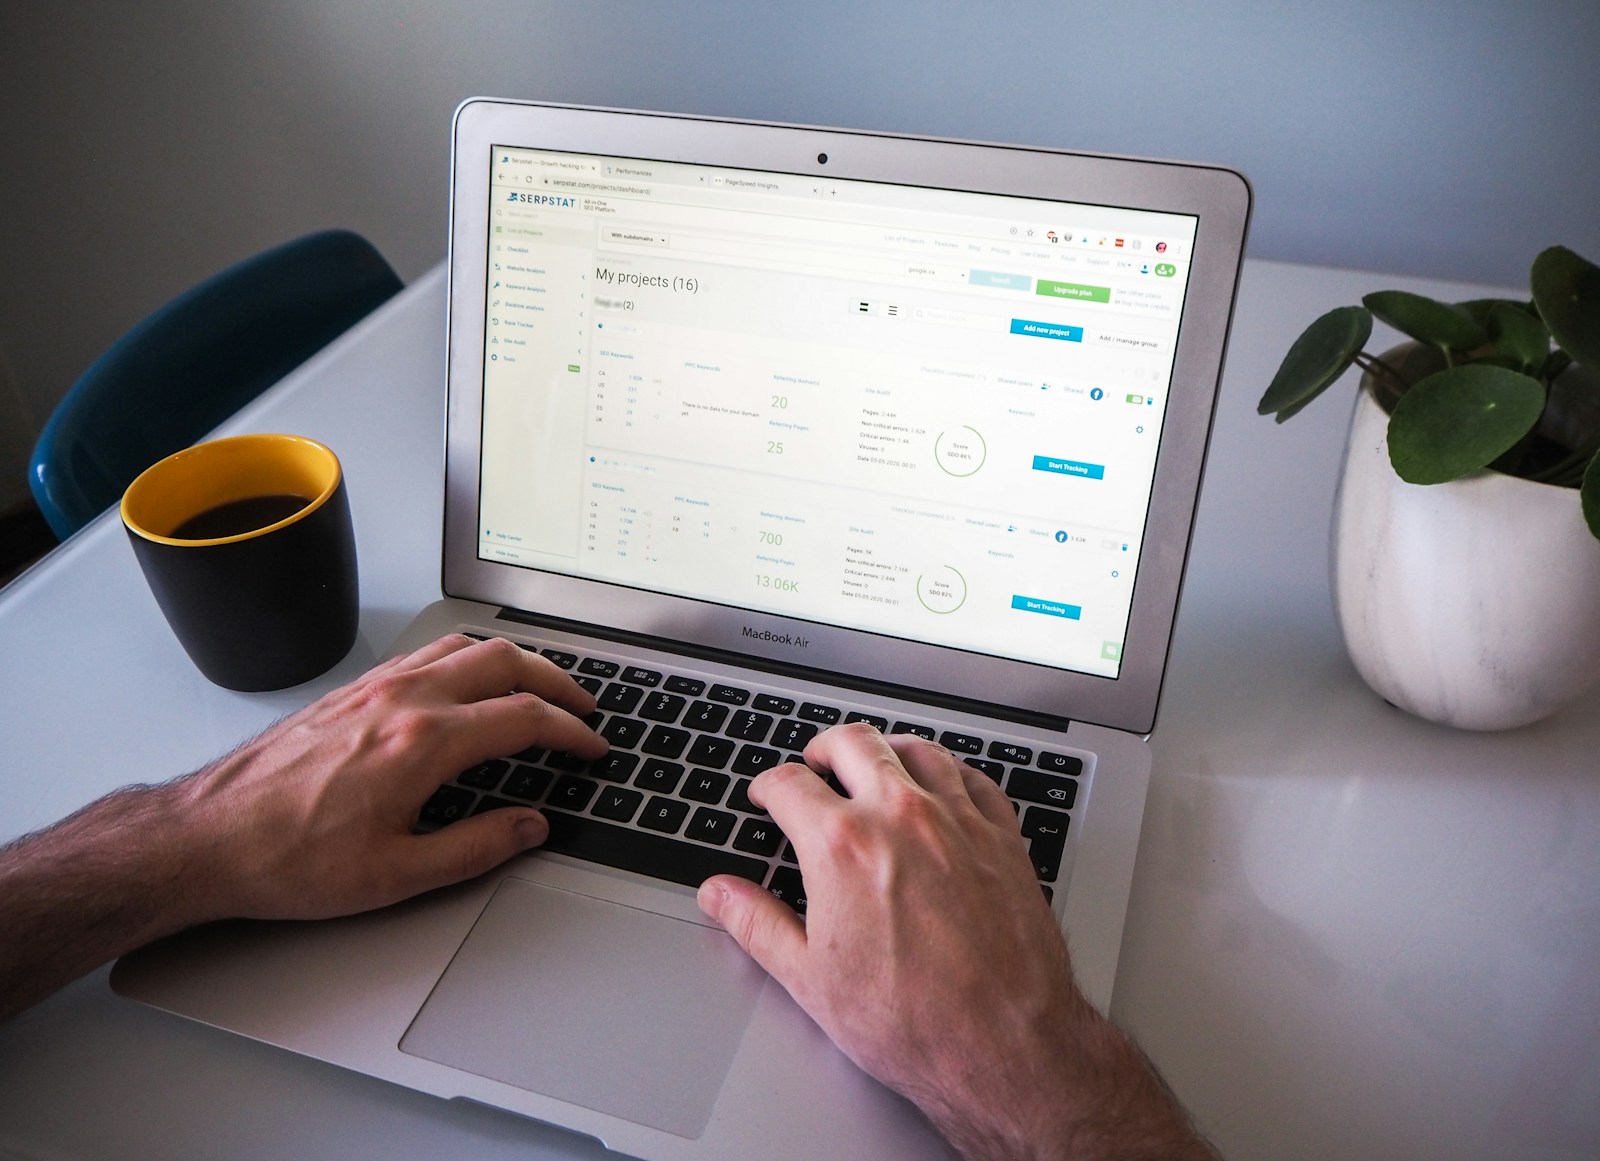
(247, 544)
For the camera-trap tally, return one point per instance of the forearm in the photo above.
(110, 878)
(1091, 1094)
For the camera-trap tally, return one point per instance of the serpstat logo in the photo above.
(541, 199)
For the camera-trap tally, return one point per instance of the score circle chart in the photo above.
(960, 451)
(942, 589)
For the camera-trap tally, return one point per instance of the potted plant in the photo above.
(1466, 539)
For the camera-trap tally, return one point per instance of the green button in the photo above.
(1165, 269)
(1074, 290)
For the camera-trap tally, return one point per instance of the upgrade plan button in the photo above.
(1069, 467)
(1048, 608)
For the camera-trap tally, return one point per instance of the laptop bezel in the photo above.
(1218, 198)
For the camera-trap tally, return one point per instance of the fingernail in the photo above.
(532, 830)
(711, 897)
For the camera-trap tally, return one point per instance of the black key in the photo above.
(489, 802)
(703, 715)
(758, 836)
(1048, 830)
(619, 698)
(447, 804)
(589, 684)
(793, 735)
(812, 712)
(788, 854)
(873, 720)
(527, 783)
(1060, 763)
(665, 741)
(692, 686)
(710, 750)
(659, 777)
(565, 660)
(1045, 788)
(1049, 892)
(1041, 822)
(572, 792)
(624, 732)
(566, 763)
(767, 703)
(647, 854)
(616, 766)
(705, 786)
(749, 727)
(960, 743)
(662, 707)
(739, 799)
(617, 803)
(1007, 752)
(485, 775)
(790, 887)
(993, 769)
(912, 728)
(731, 694)
(664, 814)
(754, 759)
(593, 719)
(646, 677)
(598, 667)
(531, 754)
(710, 826)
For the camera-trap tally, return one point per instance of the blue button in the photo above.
(1003, 281)
(1044, 330)
(1069, 467)
(1048, 608)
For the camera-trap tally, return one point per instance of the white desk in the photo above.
(1352, 934)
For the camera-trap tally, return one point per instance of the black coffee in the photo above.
(239, 516)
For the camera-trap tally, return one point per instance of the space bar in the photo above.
(644, 853)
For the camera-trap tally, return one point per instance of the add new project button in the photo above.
(1044, 330)
(1048, 608)
(1069, 467)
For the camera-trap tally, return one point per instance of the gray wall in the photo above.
(147, 145)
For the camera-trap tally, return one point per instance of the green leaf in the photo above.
(1566, 288)
(1478, 309)
(1319, 356)
(1518, 336)
(1427, 320)
(1459, 420)
(1590, 495)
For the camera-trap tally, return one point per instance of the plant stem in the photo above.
(1392, 382)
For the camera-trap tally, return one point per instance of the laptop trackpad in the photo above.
(594, 1003)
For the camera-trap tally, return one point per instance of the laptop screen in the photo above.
(923, 413)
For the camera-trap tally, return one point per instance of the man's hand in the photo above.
(313, 818)
(929, 956)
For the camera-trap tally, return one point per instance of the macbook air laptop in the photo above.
(756, 429)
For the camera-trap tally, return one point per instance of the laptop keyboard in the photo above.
(671, 799)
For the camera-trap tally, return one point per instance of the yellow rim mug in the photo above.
(247, 544)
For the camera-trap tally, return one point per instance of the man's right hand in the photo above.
(929, 956)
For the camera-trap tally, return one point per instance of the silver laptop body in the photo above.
(849, 424)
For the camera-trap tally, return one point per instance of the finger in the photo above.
(496, 666)
(465, 849)
(768, 929)
(990, 800)
(930, 765)
(796, 797)
(859, 756)
(503, 725)
(431, 652)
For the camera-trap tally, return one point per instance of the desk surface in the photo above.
(1352, 934)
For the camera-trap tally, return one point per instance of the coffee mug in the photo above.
(247, 544)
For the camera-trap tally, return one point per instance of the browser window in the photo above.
(923, 413)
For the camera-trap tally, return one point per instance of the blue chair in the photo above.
(193, 363)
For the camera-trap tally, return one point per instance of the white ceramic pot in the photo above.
(1474, 603)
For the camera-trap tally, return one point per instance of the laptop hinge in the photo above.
(790, 670)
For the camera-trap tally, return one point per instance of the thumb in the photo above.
(466, 849)
(767, 928)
